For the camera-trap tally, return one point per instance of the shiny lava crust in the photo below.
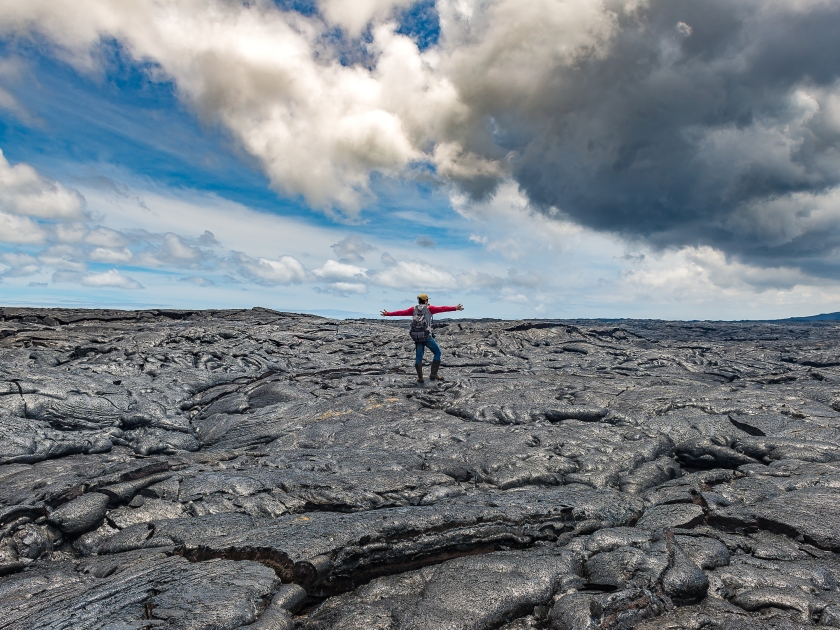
(231, 469)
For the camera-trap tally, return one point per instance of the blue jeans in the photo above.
(431, 344)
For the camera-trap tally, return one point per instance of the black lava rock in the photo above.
(250, 468)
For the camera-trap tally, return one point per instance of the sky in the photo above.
(667, 159)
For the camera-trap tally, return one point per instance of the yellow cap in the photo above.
(423, 296)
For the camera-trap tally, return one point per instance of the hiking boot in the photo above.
(433, 376)
(419, 369)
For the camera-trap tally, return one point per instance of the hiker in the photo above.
(421, 332)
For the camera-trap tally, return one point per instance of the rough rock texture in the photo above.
(268, 470)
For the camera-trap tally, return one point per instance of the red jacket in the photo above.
(434, 310)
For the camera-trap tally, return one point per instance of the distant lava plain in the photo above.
(267, 470)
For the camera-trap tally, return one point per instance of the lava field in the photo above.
(233, 469)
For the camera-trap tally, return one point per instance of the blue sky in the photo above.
(339, 157)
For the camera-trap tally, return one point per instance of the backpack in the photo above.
(421, 324)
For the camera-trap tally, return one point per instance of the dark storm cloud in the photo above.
(714, 122)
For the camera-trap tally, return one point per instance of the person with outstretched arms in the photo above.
(421, 332)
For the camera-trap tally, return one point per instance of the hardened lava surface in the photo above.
(230, 469)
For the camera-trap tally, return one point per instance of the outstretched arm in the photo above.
(445, 309)
(404, 313)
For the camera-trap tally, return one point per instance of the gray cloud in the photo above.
(425, 241)
(174, 251)
(704, 123)
(208, 239)
(352, 249)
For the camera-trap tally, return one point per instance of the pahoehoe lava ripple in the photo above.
(251, 468)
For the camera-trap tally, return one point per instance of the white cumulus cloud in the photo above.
(111, 278)
(318, 126)
(20, 264)
(25, 192)
(334, 270)
(107, 255)
(286, 270)
(354, 15)
(16, 229)
(343, 288)
(101, 236)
